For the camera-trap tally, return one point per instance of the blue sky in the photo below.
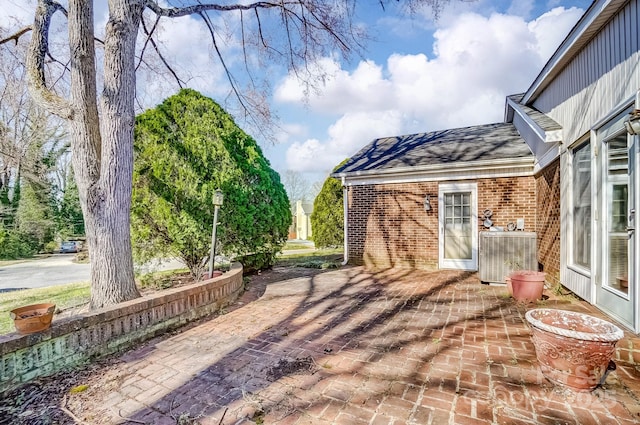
(421, 76)
(417, 75)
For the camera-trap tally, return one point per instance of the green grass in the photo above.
(320, 256)
(291, 246)
(63, 296)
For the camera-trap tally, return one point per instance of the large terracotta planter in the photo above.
(527, 285)
(32, 318)
(573, 349)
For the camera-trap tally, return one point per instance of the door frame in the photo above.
(461, 264)
(605, 298)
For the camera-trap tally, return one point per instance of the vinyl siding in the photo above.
(600, 77)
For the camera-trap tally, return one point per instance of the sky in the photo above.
(417, 74)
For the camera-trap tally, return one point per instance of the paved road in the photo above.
(55, 270)
(58, 269)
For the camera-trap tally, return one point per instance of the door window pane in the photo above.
(618, 205)
(458, 241)
(582, 206)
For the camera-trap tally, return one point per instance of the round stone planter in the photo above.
(527, 285)
(573, 349)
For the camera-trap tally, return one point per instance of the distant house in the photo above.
(301, 226)
(564, 164)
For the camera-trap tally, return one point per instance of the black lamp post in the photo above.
(218, 198)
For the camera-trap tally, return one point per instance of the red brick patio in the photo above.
(354, 347)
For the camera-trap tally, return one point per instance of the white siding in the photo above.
(538, 147)
(604, 74)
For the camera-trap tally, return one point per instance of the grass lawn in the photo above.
(63, 296)
(319, 259)
(292, 245)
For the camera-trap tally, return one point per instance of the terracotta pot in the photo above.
(573, 349)
(527, 285)
(507, 280)
(32, 318)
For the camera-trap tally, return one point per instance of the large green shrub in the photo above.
(184, 149)
(14, 245)
(327, 218)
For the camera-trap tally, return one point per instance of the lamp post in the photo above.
(218, 197)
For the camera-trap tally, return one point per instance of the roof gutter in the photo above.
(345, 206)
(450, 168)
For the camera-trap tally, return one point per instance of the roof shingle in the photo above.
(477, 143)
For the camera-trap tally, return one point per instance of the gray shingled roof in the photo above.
(478, 143)
(545, 122)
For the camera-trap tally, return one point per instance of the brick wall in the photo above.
(388, 226)
(548, 221)
(74, 341)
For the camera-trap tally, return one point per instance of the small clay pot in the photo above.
(33, 318)
(527, 285)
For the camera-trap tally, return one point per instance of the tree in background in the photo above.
(69, 220)
(34, 217)
(297, 187)
(185, 149)
(31, 144)
(327, 218)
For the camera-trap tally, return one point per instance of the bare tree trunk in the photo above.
(103, 149)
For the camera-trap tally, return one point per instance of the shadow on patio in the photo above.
(355, 347)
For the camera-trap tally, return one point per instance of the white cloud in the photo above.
(521, 8)
(345, 136)
(551, 28)
(478, 61)
(287, 131)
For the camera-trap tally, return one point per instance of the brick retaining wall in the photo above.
(76, 340)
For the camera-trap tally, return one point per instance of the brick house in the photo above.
(562, 164)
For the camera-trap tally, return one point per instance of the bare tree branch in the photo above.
(35, 62)
(149, 34)
(17, 35)
(175, 12)
(207, 21)
(155, 47)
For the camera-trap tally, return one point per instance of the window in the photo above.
(582, 205)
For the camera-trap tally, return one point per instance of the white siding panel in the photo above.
(604, 74)
(578, 283)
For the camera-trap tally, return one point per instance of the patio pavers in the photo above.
(358, 347)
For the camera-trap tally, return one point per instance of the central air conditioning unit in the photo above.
(500, 253)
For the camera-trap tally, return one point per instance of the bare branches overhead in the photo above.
(38, 50)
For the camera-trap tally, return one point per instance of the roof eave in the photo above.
(452, 168)
(546, 136)
(596, 17)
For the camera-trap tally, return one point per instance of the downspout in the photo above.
(345, 206)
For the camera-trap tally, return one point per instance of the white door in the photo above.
(458, 221)
(616, 281)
